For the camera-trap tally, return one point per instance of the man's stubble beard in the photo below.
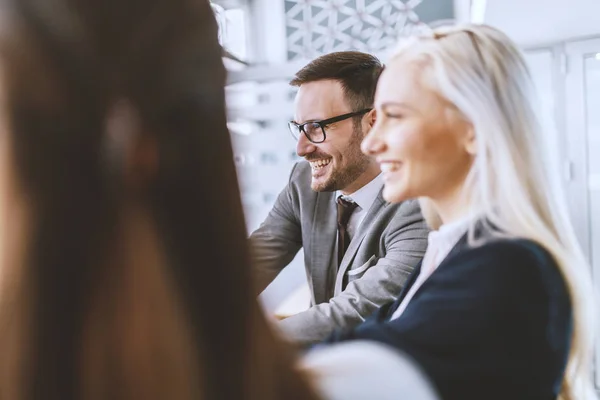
(356, 164)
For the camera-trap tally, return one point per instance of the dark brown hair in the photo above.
(88, 312)
(357, 72)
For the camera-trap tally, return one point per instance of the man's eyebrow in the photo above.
(309, 120)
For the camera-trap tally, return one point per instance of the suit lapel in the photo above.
(458, 247)
(411, 281)
(358, 238)
(323, 237)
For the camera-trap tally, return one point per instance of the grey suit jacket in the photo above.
(389, 243)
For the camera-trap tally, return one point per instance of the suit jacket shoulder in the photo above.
(498, 261)
(279, 238)
(493, 321)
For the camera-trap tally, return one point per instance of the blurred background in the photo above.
(267, 41)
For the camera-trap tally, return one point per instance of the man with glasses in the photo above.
(358, 249)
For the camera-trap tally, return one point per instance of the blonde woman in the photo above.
(501, 306)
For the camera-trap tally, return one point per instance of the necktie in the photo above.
(344, 210)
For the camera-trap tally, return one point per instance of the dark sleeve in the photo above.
(501, 310)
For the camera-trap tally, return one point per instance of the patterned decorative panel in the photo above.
(316, 27)
(264, 149)
(264, 153)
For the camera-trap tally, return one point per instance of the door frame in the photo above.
(577, 153)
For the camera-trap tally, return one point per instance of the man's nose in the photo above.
(304, 146)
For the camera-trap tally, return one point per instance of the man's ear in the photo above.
(371, 118)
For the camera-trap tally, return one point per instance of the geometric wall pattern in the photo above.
(316, 27)
(264, 153)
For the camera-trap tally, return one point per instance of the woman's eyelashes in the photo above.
(392, 112)
(395, 115)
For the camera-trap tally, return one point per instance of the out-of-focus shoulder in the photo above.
(366, 370)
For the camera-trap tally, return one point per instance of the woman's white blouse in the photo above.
(439, 244)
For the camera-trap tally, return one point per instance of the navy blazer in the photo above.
(492, 322)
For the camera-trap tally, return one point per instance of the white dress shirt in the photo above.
(439, 244)
(364, 197)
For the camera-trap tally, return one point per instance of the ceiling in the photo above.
(539, 22)
(230, 3)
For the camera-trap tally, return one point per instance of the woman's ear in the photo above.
(133, 153)
(471, 141)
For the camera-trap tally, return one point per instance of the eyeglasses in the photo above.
(315, 130)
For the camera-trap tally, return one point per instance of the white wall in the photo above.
(265, 152)
(538, 22)
(543, 71)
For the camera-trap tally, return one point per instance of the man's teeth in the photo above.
(319, 163)
(390, 166)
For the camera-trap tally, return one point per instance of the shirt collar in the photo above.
(366, 195)
(460, 224)
(449, 234)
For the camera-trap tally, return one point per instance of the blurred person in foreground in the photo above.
(124, 270)
(359, 250)
(501, 306)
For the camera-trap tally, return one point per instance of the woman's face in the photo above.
(423, 145)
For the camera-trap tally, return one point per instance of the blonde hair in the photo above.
(482, 73)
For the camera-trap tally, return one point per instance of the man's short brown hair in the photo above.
(357, 72)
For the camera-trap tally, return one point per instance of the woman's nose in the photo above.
(373, 143)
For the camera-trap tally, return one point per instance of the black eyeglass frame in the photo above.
(323, 123)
